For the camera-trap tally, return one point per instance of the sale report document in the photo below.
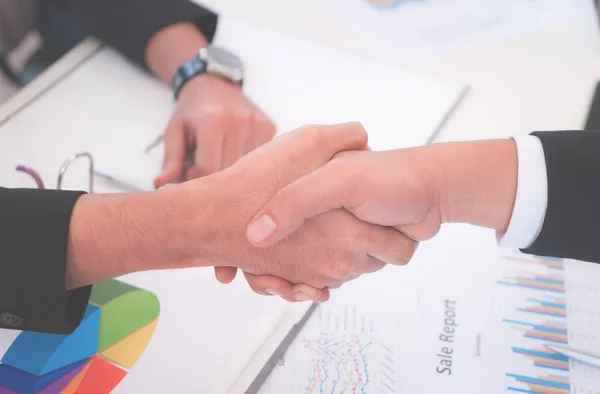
(465, 316)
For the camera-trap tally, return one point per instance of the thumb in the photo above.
(321, 191)
(174, 160)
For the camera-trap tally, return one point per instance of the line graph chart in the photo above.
(339, 364)
(340, 352)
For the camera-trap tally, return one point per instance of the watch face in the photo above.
(224, 57)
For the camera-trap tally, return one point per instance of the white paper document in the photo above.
(206, 337)
(463, 317)
(409, 30)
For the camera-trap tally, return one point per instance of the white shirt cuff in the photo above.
(532, 195)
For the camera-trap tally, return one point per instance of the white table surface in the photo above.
(541, 80)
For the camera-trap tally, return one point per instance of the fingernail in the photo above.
(301, 297)
(273, 292)
(262, 229)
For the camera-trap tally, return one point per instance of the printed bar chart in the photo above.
(548, 306)
(537, 286)
(548, 331)
(550, 384)
(544, 358)
(551, 263)
(534, 281)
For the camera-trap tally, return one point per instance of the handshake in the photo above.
(302, 214)
(315, 208)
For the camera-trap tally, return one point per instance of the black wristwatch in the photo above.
(213, 60)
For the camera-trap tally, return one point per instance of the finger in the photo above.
(371, 265)
(310, 147)
(268, 285)
(235, 141)
(302, 293)
(325, 295)
(174, 157)
(336, 284)
(389, 245)
(225, 275)
(421, 231)
(263, 131)
(323, 190)
(209, 150)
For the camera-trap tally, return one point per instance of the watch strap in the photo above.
(187, 71)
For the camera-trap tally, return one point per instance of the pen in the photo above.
(577, 355)
(126, 186)
(154, 143)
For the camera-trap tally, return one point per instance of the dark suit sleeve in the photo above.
(571, 227)
(128, 25)
(34, 232)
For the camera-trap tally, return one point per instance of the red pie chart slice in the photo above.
(101, 378)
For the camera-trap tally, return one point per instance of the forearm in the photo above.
(172, 46)
(113, 235)
(129, 25)
(477, 181)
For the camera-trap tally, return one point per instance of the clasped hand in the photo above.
(328, 211)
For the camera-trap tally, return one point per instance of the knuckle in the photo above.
(243, 115)
(359, 128)
(214, 114)
(355, 131)
(360, 235)
(305, 129)
(343, 269)
(343, 265)
(314, 135)
(355, 127)
(267, 128)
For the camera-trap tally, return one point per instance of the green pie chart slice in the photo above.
(123, 310)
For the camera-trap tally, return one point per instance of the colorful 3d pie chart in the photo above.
(116, 329)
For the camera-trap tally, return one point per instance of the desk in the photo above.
(542, 80)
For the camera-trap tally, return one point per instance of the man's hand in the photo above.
(327, 251)
(214, 124)
(414, 190)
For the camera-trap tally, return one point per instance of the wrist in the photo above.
(117, 234)
(196, 222)
(171, 47)
(477, 182)
(207, 83)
